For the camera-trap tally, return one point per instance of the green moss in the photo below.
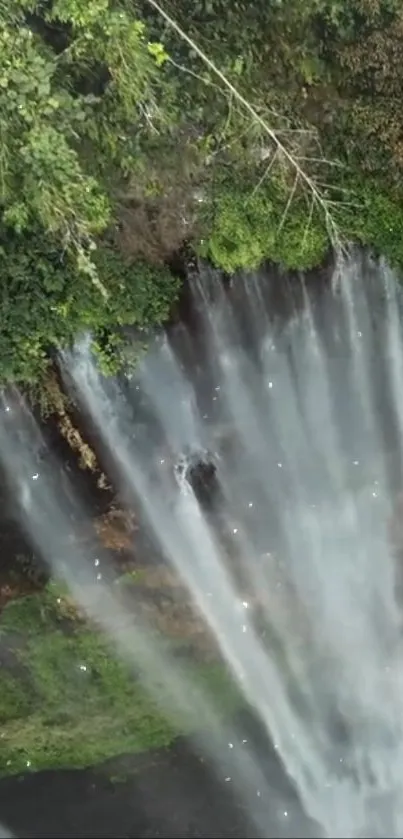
(134, 577)
(43, 744)
(15, 701)
(30, 615)
(79, 704)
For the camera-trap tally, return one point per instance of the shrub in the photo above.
(46, 302)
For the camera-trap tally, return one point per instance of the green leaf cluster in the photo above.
(79, 85)
(251, 225)
(45, 302)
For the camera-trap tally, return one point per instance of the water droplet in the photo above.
(96, 561)
(230, 745)
(250, 504)
(99, 576)
(359, 334)
(83, 667)
(285, 813)
(276, 745)
(58, 600)
(235, 530)
(217, 388)
(245, 604)
(244, 741)
(244, 628)
(258, 793)
(28, 763)
(8, 408)
(227, 779)
(341, 760)
(214, 398)
(162, 461)
(35, 477)
(356, 462)
(270, 385)
(374, 495)
(280, 465)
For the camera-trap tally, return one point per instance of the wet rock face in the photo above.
(116, 529)
(201, 474)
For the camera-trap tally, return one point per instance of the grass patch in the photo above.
(30, 615)
(79, 704)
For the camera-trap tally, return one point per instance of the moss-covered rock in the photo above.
(66, 700)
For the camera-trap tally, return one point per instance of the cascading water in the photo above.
(48, 506)
(264, 452)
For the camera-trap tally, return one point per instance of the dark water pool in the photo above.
(169, 793)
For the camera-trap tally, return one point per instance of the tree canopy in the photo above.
(250, 131)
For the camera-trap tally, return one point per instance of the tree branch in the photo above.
(302, 175)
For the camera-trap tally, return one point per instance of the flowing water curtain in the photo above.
(47, 502)
(332, 530)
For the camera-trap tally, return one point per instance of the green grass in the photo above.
(77, 703)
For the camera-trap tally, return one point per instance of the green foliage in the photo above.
(73, 703)
(46, 302)
(242, 231)
(253, 226)
(76, 81)
(378, 221)
(111, 126)
(347, 58)
(45, 178)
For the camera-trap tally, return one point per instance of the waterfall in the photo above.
(268, 471)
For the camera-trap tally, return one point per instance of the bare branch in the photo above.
(195, 75)
(289, 202)
(323, 160)
(309, 131)
(309, 222)
(266, 172)
(303, 176)
(325, 185)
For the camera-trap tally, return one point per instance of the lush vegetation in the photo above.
(251, 131)
(78, 82)
(66, 700)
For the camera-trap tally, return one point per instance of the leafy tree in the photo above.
(57, 101)
(79, 85)
(127, 129)
(45, 303)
